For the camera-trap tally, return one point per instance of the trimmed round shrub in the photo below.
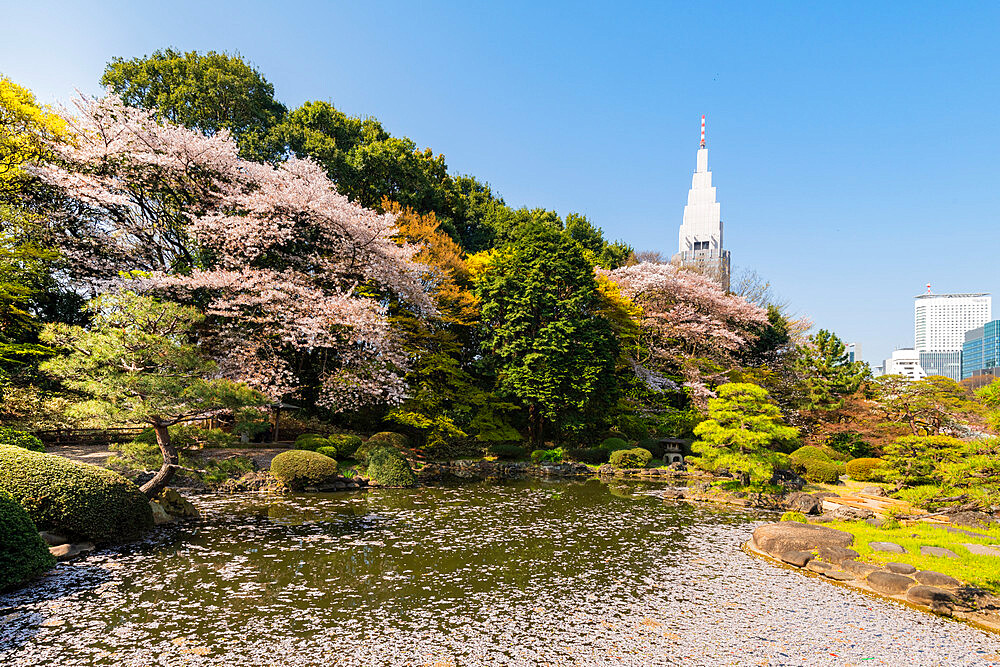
(794, 516)
(592, 455)
(23, 554)
(547, 456)
(299, 468)
(76, 500)
(9, 436)
(397, 440)
(821, 472)
(865, 470)
(611, 444)
(311, 442)
(327, 451)
(631, 458)
(810, 452)
(654, 446)
(387, 467)
(506, 451)
(345, 443)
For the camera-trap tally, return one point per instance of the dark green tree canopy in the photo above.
(206, 91)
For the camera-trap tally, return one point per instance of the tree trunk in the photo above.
(171, 460)
(534, 434)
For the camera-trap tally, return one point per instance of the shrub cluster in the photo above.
(631, 458)
(343, 445)
(387, 467)
(327, 450)
(397, 440)
(851, 445)
(611, 444)
(653, 446)
(9, 436)
(794, 516)
(865, 470)
(74, 499)
(547, 455)
(451, 449)
(298, 468)
(506, 451)
(592, 455)
(821, 472)
(23, 554)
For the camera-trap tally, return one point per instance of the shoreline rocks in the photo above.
(826, 551)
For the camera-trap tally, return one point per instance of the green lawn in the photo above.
(983, 571)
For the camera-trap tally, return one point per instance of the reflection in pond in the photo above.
(515, 572)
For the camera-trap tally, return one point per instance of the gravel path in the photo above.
(528, 574)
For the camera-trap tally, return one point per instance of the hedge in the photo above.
(345, 443)
(865, 470)
(820, 471)
(611, 444)
(631, 458)
(387, 467)
(593, 455)
(311, 442)
(299, 468)
(76, 500)
(397, 440)
(506, 451)
(9, 436)
(23, 554)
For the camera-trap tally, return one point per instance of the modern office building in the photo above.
(905, 362)
(700, 237)
(853, 352)
(981, 350)
(948, 364)
(941, 320)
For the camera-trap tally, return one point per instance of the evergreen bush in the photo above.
(23, 554)
(346, 444)
(821, 471)
(631, 458)
(865, 469)
(327, 450)
(794, 516)
(397, 440)
(611, 444)
(9, 436)
(387, 467)
(77, 500)
(298, 468)
(654, 446)
(547, 455)
(311, 441)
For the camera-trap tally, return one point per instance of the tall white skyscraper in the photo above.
(700, 237)
(941, 320)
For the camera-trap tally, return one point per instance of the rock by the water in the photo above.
(900, 568)
(160, 515)
(839, 575)
(875, 491)
(785, 536)
(797, 558)
(65, 552)
(889, 583)
(803, 502)
(819, 566)
(176, 505)
(845, 513)
(932, 578)
(927, 595)
(857, 568)
(835, 554)
(52, 539)
(890, 547)
(940, 552)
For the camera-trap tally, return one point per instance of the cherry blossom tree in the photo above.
(689, 324)
(285, 267)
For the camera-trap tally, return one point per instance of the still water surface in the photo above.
(482, 573)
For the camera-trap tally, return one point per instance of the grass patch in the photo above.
(982, 571)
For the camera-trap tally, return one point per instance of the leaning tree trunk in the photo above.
(163, 476)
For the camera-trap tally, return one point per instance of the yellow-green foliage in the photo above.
(630, 458)
(821, 472)
(977, 570)
(397, 440)
(298, 469)
(23, 554)
(865, 470)
(794, 516)
(9, 436)
(74, 499)
(387, 467)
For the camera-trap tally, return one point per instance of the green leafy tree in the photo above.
(927, 407)
(915, 459)
(741, 433)
(826, 372)
(975, 471)
(542, 328)
(139, 362)
(204, 91)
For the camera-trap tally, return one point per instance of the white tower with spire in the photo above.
(700, 237)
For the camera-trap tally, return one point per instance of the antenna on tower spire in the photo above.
(928, 288)
(703, 130)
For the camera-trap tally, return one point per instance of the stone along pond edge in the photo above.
(825, 553)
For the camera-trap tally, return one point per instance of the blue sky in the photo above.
(854, 145)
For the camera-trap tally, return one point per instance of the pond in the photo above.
(477, 573)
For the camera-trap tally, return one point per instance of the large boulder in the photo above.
(780, 538)
(23, 553)
(76, 500)
(936, 579)
(804, 502)
(889, 583)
